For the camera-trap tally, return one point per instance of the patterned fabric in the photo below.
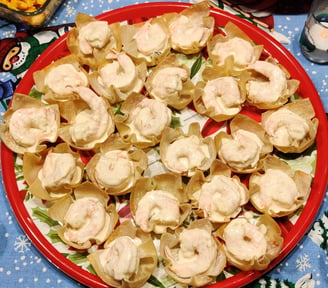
(21, 264)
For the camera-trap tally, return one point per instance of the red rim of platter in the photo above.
(292, 233)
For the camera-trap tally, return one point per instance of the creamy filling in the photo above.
(30, 126)
(85, 220)
(186, 153)
(121, 258)
(63, 78)
(151, 38)
(95, 34)
(149, 118)
(223, 95)
(243, 151)
(113, 169)
(286, 128)
(173, 84)
(241, 50)
(221, 198)
(278, 191)
(58, 169)
(196, 254)
(244, 240)
(157, 210)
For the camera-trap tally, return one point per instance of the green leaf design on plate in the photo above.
(35, 94)
(43, 216)
(196, 66)
(53, 236)
(78, 257)
(155, 282)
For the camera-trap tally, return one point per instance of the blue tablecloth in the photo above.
(21, 264)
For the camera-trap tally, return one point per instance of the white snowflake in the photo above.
(22, 244)
(303, 262)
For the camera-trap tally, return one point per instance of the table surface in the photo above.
(21, 264)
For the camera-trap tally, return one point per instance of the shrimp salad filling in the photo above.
(156, 147)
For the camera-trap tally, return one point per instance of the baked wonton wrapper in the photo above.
(244, 149)
(193, 256)
(191, 28)
(52, 173)
(220, 95)
(117, 166)
(118, 76)
(186, 153)
(269, 86)
(90, 120)
(128, 259)
(234, 49)
(85, 217)
(58, 80)
(147, 41)
(218, 196)
(291, 128)
(177, 90)
(279, 191)
(251, 241)
(29, 124)
(143, 120)
(92, 39)
(159, 203)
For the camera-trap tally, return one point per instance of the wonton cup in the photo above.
(251, 241)
(186, 153)
(279, 191)
(269, 86)
(118, 76)
(58, 80)
(91, 39)
(144, 259)
(177, 89)
(63, 167)
(244, 149)
(219, 95)
(143, 120)
(191, 28)
(90, 120)
(193, 256)
(85, 217)
(29, 124)
(234, 49)
(147, 41)
(117, 166)
(291, 128)
(219, 196)
(159, 203)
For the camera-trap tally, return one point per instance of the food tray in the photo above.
(33, 19)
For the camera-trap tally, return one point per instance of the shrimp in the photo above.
(33, 125)
(196, 255)
(186, 153)
(84, 220)
(93, 35)
(244, 240)
(120, 73)
(121, 258)
(270, 90)
(114, 168)
(221, 198)
(243, 151)
(173, 84)
(222, 94)
(90, 124)
(157, 210)
(150, 117)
